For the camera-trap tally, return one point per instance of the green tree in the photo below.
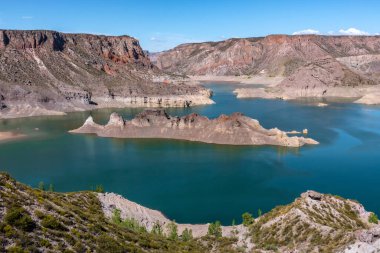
(51, 188)
(247, 219)
(133, 224)
(372, 218)
(187, 235)
(215, 229)
(233, 222)
(116, 216)
(41, 186)
(173, 230)
(99, 188)
(259, 213)
(157, 229)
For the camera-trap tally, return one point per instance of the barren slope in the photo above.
(47, 70)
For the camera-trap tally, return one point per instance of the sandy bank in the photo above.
(8, 136)
(265, 80)
(20, 110)
(369, 95)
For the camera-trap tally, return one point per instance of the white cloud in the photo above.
(163, 41)
(352, 31)
(27, 17)
(330, 32)
(306, 31)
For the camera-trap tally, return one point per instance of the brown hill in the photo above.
(48, 70)
(274, 55)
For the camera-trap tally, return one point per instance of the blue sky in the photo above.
(161, 25)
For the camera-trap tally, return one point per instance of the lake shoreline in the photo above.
(27, 110)
(366, 95)
(9, 136)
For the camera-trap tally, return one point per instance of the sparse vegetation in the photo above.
(35, 221)
(18, 217)
(373, 218)
(173, 231)
(187, 235)
(247, 219)
(157, 229)
(41, 186)
(99, 188)
(42, 221)
(51, 222)
(215, 229)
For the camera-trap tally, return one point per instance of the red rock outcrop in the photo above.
(235, 129)
(272, 55)
(59, 71)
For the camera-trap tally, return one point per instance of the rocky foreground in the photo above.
(235, 129)
(309, 65)
(35, 220)
(48, 72)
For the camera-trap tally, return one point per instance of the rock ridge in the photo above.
(48, 72)
(235, 129)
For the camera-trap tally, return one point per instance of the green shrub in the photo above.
(15, 249)
(116, 216)
(215, 229)
(99, 188)
(18, 217)
(173, 231)
(373, 218)
(44, 243)
(41, 186)
(157, 229)
(108, 244)
(187, 235)
(133, 224)
(247, 219)
(51, 222)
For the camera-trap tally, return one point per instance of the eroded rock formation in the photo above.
(235, 129)
(313, 65)
(42, 71)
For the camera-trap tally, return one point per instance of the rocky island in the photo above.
(235, 129)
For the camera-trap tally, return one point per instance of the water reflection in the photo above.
(178, 177)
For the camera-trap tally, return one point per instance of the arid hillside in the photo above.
(42, 71)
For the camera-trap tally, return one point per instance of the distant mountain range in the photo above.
(311, 65)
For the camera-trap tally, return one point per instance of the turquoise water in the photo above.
(195, 182)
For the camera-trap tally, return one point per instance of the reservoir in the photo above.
(195, 182)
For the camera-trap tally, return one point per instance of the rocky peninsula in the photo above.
(40, 221)
(235, 129)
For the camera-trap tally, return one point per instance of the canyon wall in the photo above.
(53, 71)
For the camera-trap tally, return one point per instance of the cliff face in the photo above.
(273, 55)
(311, 65)
(57, 71)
